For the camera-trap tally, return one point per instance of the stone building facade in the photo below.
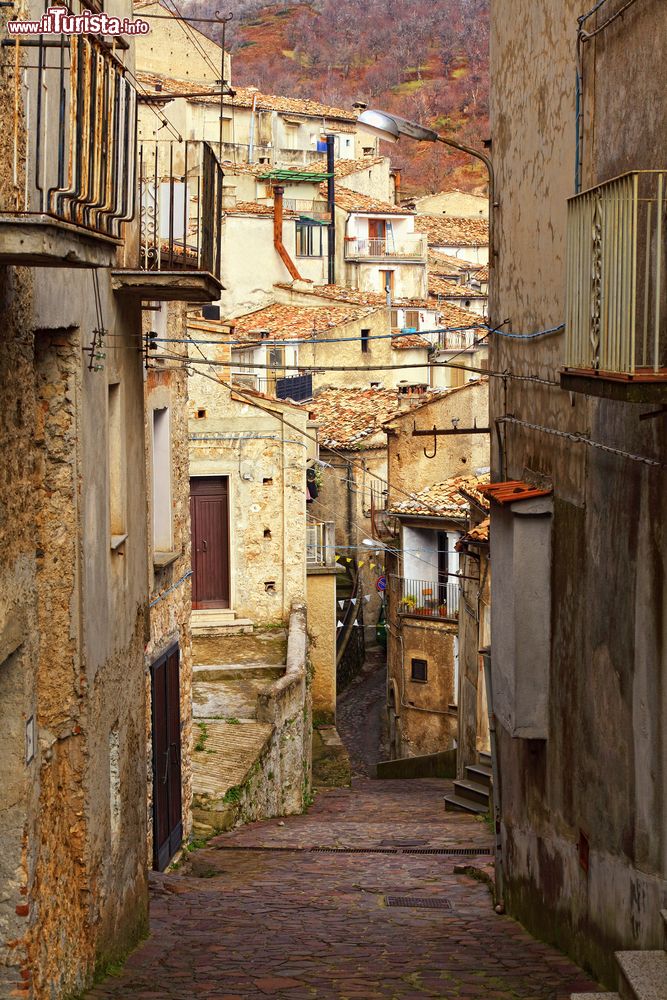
(578, 649)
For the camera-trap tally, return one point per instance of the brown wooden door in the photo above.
(377, 229)
(209, 515)
(166, 732)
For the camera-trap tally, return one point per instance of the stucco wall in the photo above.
(167, 49)
(602, 770)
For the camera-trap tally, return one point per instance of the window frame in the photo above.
(304, 235)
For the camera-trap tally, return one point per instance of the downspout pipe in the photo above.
(331, 205)
(278, 193)
(251, 141)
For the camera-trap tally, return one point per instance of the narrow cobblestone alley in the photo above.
(264, 911)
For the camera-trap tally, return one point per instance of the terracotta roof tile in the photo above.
(450, 289)
(409, 342)
(482, 274)
(512, 491)
(351, 201)
(348, 416)
(341, 294)
(288, 322)
(444, 264)
(445, 230)
(479, 534)
(343, 168)
(441, 499)
(255, 208)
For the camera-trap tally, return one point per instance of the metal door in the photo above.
(166, 725)
(209, 514)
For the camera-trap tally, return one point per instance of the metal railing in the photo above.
(428, 598)
(320, 543)
(298, 388)
(616, 296)
(313, 209)
(73, 140)
(402, 248)
(181, 206)
(457, 340)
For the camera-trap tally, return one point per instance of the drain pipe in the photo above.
(278, 193)
(251, 140)
(331, 207)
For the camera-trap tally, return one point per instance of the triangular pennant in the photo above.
(354, 601)
(361, 564)
(337, 558)
(339, 625)
(367, 598)
(341, 604)
(372, 565)
(348, 559)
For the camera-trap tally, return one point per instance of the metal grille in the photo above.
(418, 902)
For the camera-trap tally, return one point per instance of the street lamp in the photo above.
(392, 127)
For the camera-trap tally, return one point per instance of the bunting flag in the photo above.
(339, 625)
(348, 559)
(367, 598)
(361, 564)
(337, 557)
(341, 604)
(372, 565)
(353, 601)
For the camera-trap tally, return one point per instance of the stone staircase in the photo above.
(219, 622)
(642, 975)
(473, 793)
(230, 743)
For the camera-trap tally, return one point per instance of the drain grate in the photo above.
(420, 902)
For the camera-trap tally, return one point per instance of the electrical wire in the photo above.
(582, 439)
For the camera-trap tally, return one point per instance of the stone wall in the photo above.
(322, 618)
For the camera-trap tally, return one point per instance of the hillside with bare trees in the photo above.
(425, 59)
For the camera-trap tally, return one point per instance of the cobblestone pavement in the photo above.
(360, 715)
(258, 913)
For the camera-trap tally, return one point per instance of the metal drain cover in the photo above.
(422, 902)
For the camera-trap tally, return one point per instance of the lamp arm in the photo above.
(492, 195)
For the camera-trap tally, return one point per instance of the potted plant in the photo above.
(408, 603)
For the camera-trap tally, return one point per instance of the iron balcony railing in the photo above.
(320, 543)
(457, 340)
(400, 248)
(181, 206)
(318, 210)
(298, 388)
(616, 296)
(428, 598)
(73, 138)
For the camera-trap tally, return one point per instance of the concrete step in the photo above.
(663, 914)
(233, 626)
(237, 671)
(642, 975)
(453, 803)
(472, 790)
(479, 773)
(213, 615)
(484, 758)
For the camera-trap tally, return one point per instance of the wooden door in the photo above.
(166, 732)
(209, 515)
(377, 229)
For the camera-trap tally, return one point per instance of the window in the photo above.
(412, 319)
(419, 671)
(387, 281)
(394, 320)
(116, 460)
(162, 521)
(456, 377)
(308, 240)
(365, 336)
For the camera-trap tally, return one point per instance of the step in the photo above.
(473, 791)
(232, 626)
(237, 671)
(479, 773)
(213, 615)
(663, 913)
(642, 975)
(453, 803)
(484, 758)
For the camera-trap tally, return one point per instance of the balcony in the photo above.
(428, 598)
(616, 342)
(180, 202)
(70, 153)
(320, 544)
(318, 211)
(457, 340)
(406, 248)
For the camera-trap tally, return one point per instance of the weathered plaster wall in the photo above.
(321, 594)
(602, 769)
(473, 728)
(265, 460)
(166, 49)
(456, 455)
(374, 180)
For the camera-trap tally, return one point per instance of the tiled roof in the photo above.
(288, 322)
(243, 98)
(440, 286)
(347, 416)
(480, 533)
(513, 490)
(445, 230)
(454, 316)
(444, 264)
(255, 208)
(409, 342)
(344, 168)
(351, 201)
(482, 274)
(341, 294)
(440, 499)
